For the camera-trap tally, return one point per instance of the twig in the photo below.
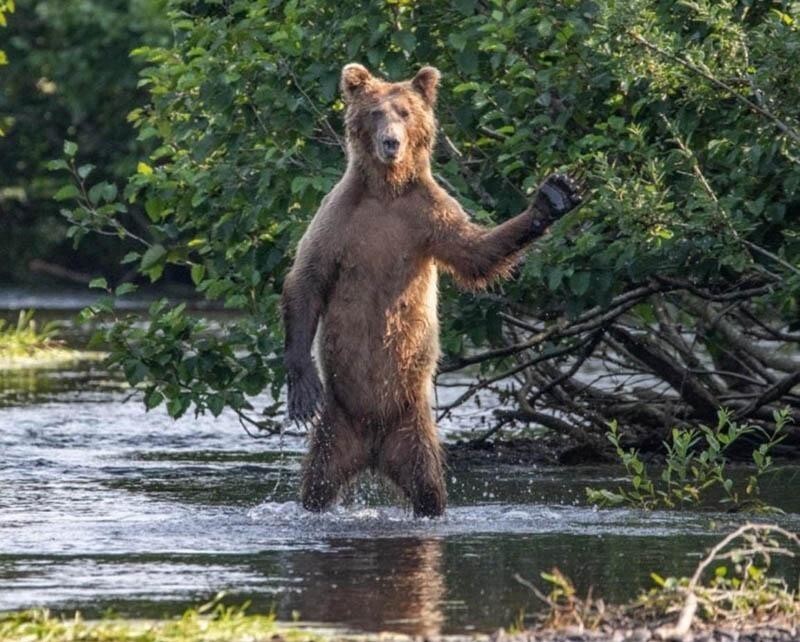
(505, 375)
(323, 118)
(271, 429)
(652, 356)
(590, 345)
(772, 333)
(562, 329)
(453, 152)
(534, 590)
(735, 295)
(771, 255)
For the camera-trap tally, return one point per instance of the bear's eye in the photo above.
(403, 112)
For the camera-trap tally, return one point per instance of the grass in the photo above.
(26, 344)
(213, 622)
(733, 588)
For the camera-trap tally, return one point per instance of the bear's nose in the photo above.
(391, 145)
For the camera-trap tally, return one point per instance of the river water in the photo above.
(104, 506)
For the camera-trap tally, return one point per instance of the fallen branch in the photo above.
(687, 614)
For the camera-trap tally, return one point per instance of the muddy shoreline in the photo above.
(765, 633)
(546, 450)
(623, 629)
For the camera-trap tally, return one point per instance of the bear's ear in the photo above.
(354, 78)
(426, 84)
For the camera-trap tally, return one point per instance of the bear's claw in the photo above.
(558, 195)
(305, 395)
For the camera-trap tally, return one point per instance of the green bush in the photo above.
(681, 115)
(68, 76)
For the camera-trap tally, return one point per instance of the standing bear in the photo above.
(364, 282)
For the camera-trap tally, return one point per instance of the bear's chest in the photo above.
(381, 239)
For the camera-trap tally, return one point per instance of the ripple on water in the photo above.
(290, 519)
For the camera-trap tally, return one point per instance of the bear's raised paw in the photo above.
(558, 195)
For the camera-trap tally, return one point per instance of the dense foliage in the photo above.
(675, 283)
(68, 75)
(6, 7)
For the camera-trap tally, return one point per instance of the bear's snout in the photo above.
(390, 142)
(390, 146)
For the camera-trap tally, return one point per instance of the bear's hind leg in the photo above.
(411, 457)
(336, 453)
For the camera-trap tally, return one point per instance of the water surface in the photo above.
(106, 506)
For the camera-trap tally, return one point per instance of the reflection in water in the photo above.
(39, 385)
(396, 584)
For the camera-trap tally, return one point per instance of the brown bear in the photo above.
(364, 282)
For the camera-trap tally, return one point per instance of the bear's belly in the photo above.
(378, 348)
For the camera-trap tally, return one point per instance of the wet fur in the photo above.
(365, 282)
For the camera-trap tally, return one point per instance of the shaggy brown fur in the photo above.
(366, 274)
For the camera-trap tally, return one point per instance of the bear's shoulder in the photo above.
(440, 203)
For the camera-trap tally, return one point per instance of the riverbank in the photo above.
(46, 359)
(230, 624)
(27, 344)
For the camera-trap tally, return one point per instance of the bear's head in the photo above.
(390, 124)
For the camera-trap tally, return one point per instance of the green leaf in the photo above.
(152, 399)
(177, 406)
(70, 148)
(198, 272)
(154, 207)
(466, 86)
(466, 7)
(125, 288)
(554, 277)
(467, 60)
(109, 192)
(215, 404)
(57, 164)
(96, 192)
(405, 40)
(152, 256)
(67, 192)
(99, 283)
(579, 282)
(85, 170)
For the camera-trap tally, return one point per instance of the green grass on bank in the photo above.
(213, 622)
(26, 344)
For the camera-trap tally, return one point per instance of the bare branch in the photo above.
(773, 393)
